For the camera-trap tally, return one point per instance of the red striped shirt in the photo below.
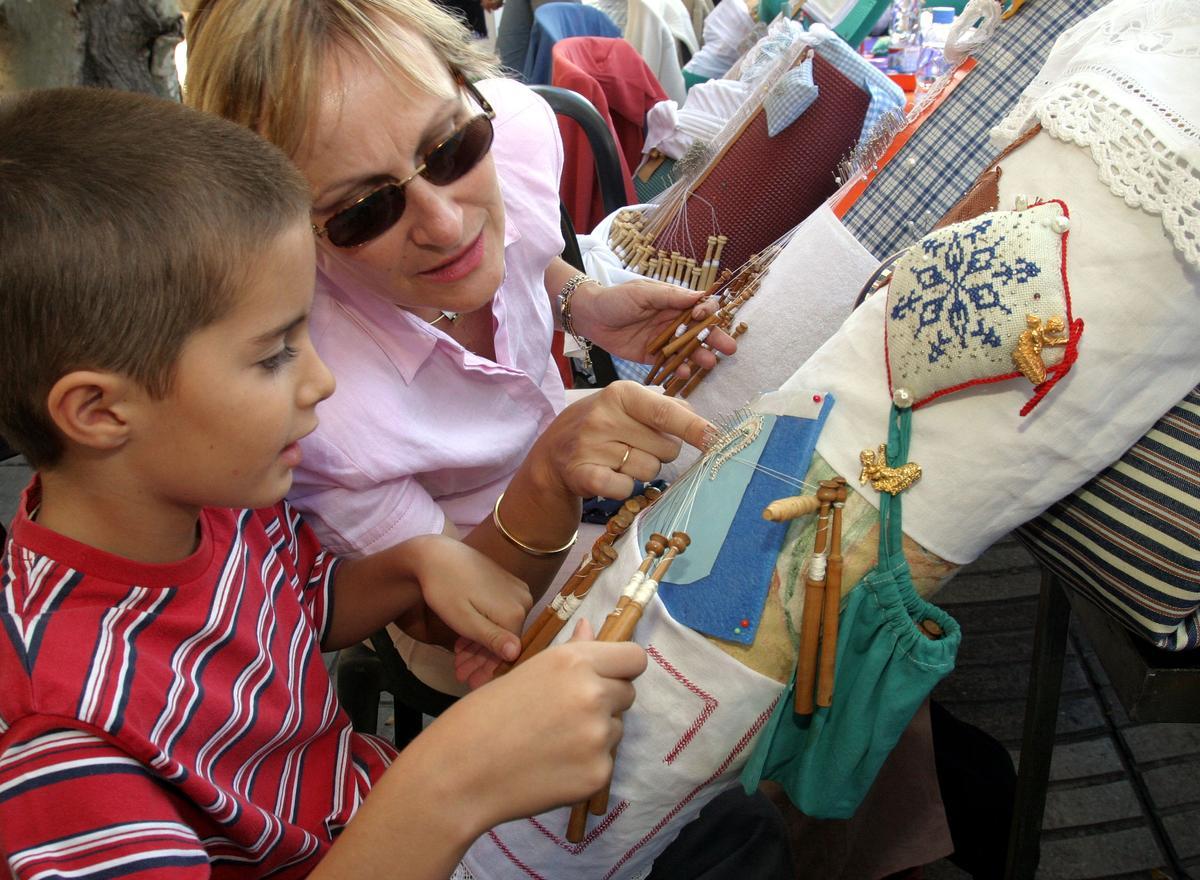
(173, 720)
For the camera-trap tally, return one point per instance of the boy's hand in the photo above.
(542, 735)
(469, 596)
(474, 664)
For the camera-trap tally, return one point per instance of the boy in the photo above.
(164, 709)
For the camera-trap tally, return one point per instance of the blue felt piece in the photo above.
(713, 512)
(728, 602)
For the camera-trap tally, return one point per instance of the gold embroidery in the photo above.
(1028, 353)
(883, 478)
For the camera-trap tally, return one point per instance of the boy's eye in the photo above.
(279, 359)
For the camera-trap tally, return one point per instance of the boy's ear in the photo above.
(92, 408)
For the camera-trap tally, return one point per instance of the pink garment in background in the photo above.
(418, 425)
(612, 75)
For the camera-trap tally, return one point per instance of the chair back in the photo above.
(557, 21)
(611, 74)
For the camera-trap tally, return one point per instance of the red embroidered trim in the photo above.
(710, 704)
(576, 848)
(529, 872)
(729, 759)
(1074, 327)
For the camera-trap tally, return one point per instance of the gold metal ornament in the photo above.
(892, 480)
(1028, 354)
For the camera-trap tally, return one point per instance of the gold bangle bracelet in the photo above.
(532, 551)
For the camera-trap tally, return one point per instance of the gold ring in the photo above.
(624, 458)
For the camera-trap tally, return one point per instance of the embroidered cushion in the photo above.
(981, 301)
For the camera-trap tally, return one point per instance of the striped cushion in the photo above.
(1130, 539)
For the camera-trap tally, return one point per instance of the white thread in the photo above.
(816, 569)
(634, 582)
(645, 592)
(570, 607)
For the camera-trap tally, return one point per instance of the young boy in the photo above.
(164, 709)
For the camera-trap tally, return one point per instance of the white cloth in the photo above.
(653, 27)
(725, 30)
(1123, 83)
(805, 297)
(986, 469)
(709, 106)
(686, 739)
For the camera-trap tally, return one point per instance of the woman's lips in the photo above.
(459, 266)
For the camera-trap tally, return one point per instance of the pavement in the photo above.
(1124, 798)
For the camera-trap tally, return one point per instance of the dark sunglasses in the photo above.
(380, 210)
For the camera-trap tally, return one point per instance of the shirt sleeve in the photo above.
(73, 805)
(372, 517)
(315, 565)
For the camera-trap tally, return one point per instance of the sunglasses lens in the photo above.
(460, 153)
(370, 218)
(381, 210)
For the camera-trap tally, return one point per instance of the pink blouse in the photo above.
(418, 425)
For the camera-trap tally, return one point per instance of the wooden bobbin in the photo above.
(598, 803)
(833, 599)
(691, 333)
(655, 546)
(548, 623)
(699, 375)
(810, 624)
(794, 507)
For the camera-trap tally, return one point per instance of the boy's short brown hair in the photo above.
(126, 224)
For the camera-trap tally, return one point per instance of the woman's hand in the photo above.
(601, 444)
(625, 318)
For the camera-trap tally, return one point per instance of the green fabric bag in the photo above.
(885, 669)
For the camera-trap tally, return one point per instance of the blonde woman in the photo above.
(435, 213)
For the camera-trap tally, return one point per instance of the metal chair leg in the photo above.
(359, 683)
(1041, 717)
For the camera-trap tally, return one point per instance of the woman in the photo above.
(439, 285)
(435, 207)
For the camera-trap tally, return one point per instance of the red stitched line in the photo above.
(1074, 325)
(710, 704)
(737, 749)
(576, 848)
(504, 849)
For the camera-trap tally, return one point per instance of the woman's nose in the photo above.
(436, 216)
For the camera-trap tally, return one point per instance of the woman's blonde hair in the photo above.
(259, 62)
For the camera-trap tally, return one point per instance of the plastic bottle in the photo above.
(904, 37)
(933, 43)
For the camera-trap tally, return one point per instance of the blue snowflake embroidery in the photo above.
(958, 294)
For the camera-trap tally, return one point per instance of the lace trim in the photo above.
(1132, 161)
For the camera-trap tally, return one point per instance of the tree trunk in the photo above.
(121, 44)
